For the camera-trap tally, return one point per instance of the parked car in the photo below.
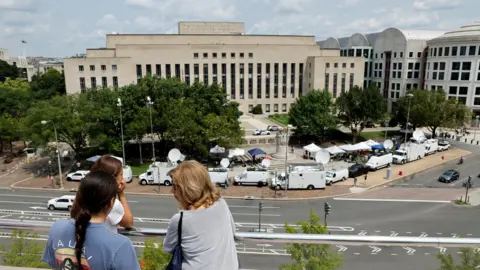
(334, 176)
(443, 145)
(449, 176)
(77, 176)
(357, 170)
(65, 202)
(260, 132)
(273, 128)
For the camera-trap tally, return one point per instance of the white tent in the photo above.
(236, 152)
(217, 150)
(312, 148)
(371, 143)
(347, 147)
(334, 150)
(361, 147)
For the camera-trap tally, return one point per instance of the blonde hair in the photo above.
(192, 184)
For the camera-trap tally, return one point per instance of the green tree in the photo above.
(14, 103)
(153, 256)
(257, 109)
(8, 71)
(469, 260)
(18, 84)
(312, 256)
(24, 251)
(46, 85)
(432, 109)
(313, 114)
(358, 106)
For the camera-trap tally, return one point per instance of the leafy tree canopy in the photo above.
(17, 84)
(313, 114)
(8, 71)
(312, 256)
(46, 85)
(469, 260)
(23, 252)
(432, 109)
(360, 105)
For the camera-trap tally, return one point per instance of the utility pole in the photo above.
(327, 209)
(260, 208)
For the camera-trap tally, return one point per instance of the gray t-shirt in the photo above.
(207, 238)
(102, 250)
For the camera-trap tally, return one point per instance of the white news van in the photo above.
(378, 162)
(431, 146)
(334, 176)
(219, 176)
(308, 178)
(409, 153)
(252, 176)
(157, 174)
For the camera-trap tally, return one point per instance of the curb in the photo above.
(257, 198)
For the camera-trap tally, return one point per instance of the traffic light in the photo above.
(327, 208)
(469, 180)
(260, 206)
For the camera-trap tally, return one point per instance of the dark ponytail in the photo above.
(94, 196)
(81, 223)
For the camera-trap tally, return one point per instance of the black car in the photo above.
(357, 170)
(449, 176)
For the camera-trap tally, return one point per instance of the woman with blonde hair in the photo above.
(204, 229)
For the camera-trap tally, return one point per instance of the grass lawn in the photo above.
(281, 119)
(138, 169)
(377, 134)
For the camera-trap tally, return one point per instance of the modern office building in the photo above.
(270, 70)
(395, 57)
(454, 65)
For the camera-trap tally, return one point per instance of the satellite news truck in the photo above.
(410, 152)
(307, 177)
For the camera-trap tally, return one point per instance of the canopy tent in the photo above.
(217, 150)
(371, 143)
(312, 148)
(256, 152)
(347, 147)
(362, 146)
(236, 152)
(95, 158)
(334, 150)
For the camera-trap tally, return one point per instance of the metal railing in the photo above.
(290, 238)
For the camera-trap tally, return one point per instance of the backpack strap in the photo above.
(179, 229)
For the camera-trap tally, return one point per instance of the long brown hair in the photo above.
(95, 193)
(108, 164)
(193, 186)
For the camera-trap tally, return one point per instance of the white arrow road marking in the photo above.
(392, 233)
(37, 207)
(362, 233)
(409, 250)
(442, 249)
(341, 248)
(375, 249)
(454, 235)
(424, 234)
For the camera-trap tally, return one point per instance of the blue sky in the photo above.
(67, 27)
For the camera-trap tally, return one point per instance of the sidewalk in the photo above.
(473, 197)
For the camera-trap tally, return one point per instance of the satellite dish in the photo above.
(388, 144)
(174, 155)
(419, 136)
(322, 156)
(225, 162)
(266, 163)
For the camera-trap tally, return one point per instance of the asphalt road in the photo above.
(429, 178)
(347, 217)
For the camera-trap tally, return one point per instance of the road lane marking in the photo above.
(389, 200)
(253, 207)
(45, 197)
(256, 214)
(17, 202)
(5, 216)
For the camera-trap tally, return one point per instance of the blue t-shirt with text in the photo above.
(102, 250)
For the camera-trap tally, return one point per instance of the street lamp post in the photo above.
(408, 116)
(289, 127)
(44, 122)
(119, 104)
(386, 128)
(150, 105)
(50, 172)
(476, 127)
(260, 208)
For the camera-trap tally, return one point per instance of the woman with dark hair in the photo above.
(121, 213)
(85, 241)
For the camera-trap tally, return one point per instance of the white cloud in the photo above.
(107, 19)
(291, 6)
(349, 3)
(435, 4)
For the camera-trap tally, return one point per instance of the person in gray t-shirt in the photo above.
(86, 241)
(207, 227)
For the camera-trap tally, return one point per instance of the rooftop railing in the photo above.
(366, 240)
